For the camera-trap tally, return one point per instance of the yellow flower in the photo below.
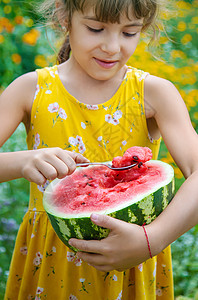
(4, 22)
(16, 58)
(181, 26)
(183, 5)
(1, 38)
(163, 40)
(29, 22)
(186, 39)
(7, 9)
(6, 1)
(190, 101)
(40, 61)
(178, 54)
(194, 20)
(19, 19)
(195, 67)
(195, 115)
(31, 37)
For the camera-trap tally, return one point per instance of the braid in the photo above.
(64, 52)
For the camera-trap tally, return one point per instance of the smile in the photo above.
(106, 64)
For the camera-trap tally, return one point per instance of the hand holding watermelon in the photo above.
(124, 248)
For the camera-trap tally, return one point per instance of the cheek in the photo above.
(132, 45)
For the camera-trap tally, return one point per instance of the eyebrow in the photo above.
(134, 24)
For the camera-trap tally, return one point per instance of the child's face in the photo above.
(102, 49)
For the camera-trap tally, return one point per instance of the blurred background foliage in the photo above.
(25, 47)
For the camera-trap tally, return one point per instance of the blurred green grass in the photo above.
(24, 47)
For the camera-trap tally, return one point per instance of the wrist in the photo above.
(155, 240)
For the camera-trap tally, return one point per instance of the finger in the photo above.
(61, 169)
(35, 176)
(68, 161)
(105, 221)
(46, 169)
(99, 262)
(92, 258)
(92, 246)
(77, 157)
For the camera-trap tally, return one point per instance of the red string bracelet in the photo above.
(149, 248)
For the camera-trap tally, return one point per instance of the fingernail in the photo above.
(94, 217)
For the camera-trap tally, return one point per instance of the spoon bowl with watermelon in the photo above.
(137, 195)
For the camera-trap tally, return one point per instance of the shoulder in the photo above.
(23, 89)
(18, 97)
(160, 96)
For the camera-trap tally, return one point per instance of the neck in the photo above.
(85, 88)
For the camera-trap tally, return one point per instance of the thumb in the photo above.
(105, 221)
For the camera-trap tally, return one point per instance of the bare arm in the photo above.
(181, 140)
(36, 165)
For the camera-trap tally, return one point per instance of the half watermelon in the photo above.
(137, 196)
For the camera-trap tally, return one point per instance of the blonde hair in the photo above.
(57, 11)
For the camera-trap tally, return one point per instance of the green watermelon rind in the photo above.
(144, 209)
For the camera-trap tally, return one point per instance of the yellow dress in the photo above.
(42, 266)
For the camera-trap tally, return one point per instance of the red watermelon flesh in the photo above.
(98, 188)
(132, 155)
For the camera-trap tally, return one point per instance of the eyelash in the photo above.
(129, 34)
(126, 34)
(94, 30)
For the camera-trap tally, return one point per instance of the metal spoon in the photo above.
(108, 165)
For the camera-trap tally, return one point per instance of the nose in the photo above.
(111, 44)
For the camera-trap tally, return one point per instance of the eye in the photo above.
(129, 34)
(94, 29)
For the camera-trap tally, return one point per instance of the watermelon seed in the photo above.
(135, 158)
(140, 164)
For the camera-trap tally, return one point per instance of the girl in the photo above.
(92, 105)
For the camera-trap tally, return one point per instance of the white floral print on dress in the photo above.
(37, 141)
(100, 138)
(78, 262)
(39, 290)
(42, 188)
(37, 91)
(159, 292)
(37, 260)
(83, 125)
(62, 114)
(70, 256)
(114, 119)
(72, 297)
(155, 270)
(73, 141)
(92, 107)
(141, 75)
(78, 142)
(24, 250)
(119, 296)
(53, 107)
(140, 267)
(115, 278)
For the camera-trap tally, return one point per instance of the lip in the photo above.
(106, 64)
